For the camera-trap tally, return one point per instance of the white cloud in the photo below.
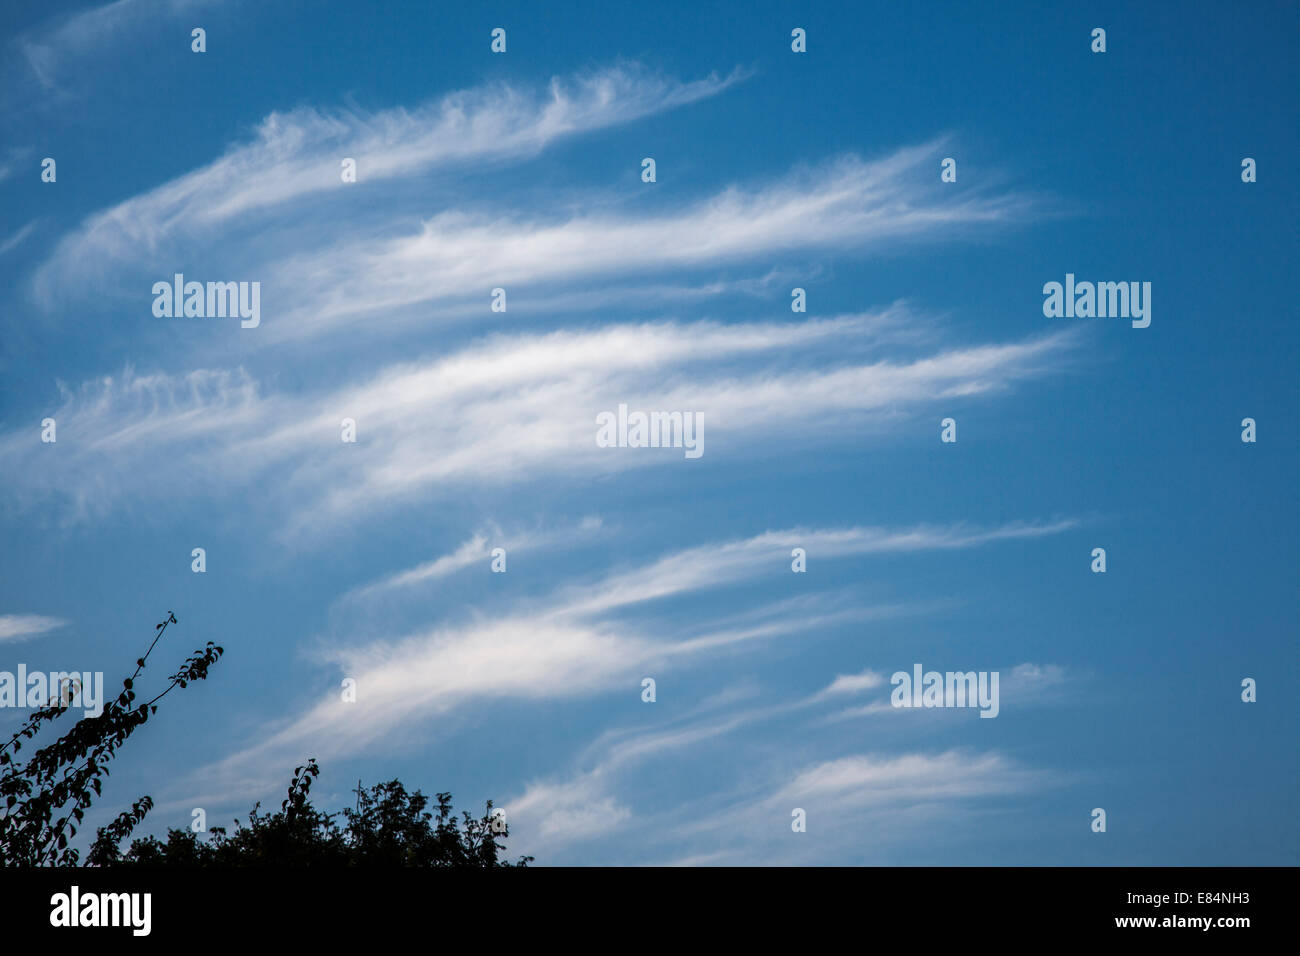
(715, 565)
(853, 683)
(19, 627)
(20, 235)
(858, 807)
(566, 812)
(567, 646)
(12, 159)
(371, 253)
(870, 780)
(295, 158)
(477, 550)
(858, 802)
(499, 411)
(845, 205)
(52, 50)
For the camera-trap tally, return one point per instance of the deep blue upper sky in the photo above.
(774, 170)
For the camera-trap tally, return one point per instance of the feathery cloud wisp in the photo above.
(295, 158)
(569, 645)
(19, 627)
(500, 410)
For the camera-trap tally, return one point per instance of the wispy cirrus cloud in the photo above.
(294, 157)
(852, 683)
(19, 627)
(849, 205)
(563, 815)
(477, 551)
(11, 160)
(867, 780)
(849, 796)
(16, 239)
(500, 410)
(878, 804)
(577, 642)
(716, 564)
(388, 249)
(44, 57)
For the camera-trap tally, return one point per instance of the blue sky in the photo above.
(774, 170)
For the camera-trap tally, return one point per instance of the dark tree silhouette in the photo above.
(389, 827)
(46, 798)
